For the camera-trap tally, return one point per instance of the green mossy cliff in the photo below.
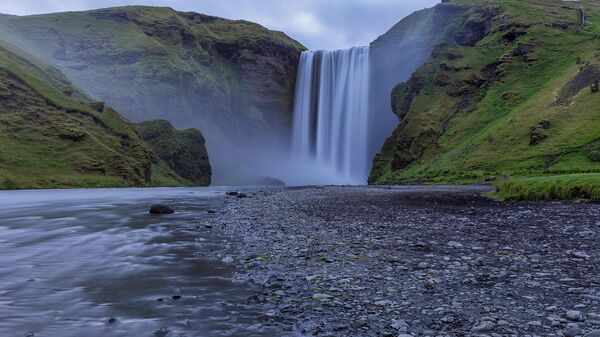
(53, 136)
(506, 92)
(232, 80)
(181, 151)
(49, 139)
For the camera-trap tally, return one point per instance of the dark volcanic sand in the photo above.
(440, 261)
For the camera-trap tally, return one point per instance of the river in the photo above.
(94, 263)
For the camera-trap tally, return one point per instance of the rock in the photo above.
(232, 194)
(176, 297)
(382, 303)
(400, 325)
(161, 209)
(228, 259)
(162, 332)
(423, 265)
(359, 323)
(454, 244)
(551, 308)
(574, 315)
(544, 124)
(573, 330)
(595, 333)
(322, 297)
(536, 136)
(405, 335)
(524, 49)
(448, 319)
(242, 195)
(484, 326)
(184, 151)
(580, 255)
(111, 320)
(97, 106)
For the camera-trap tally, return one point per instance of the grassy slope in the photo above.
(51, 140)
(491, 135)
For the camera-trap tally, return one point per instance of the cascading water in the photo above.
(330, 133)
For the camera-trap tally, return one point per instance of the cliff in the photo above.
(181, 151)
(52, 135)
(506, 91)
(51, 139)
(233, 80)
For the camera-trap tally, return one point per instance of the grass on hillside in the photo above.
(56, 141)
(491, 136)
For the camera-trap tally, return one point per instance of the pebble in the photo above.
(455, 244)
(573, 330)
(367, 261)
(484, 326)
(574, 315)
(322, 297)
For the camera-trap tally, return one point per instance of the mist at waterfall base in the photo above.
(343, 111)
(330, 131)
(322, 150)
(342, 116)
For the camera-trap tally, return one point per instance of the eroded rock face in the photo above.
(463, 108)
(42, 131)
(183, 150)
(232, 80)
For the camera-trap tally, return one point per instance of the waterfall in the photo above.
(330, 131)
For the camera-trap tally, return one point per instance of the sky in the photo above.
(317, 24)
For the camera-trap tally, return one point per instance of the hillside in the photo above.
(53, 136)
(233, 80)
(183, 151)
(506, 93)
(48, 139)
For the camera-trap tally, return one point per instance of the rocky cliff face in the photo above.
(182, 151)
(233, 80)
(491, 99)
(50, 139)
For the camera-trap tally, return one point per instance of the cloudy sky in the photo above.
(318, 24)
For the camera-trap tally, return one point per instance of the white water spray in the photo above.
(330, 135)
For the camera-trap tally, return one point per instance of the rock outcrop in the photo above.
(183, 151)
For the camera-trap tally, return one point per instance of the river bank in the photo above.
(399, 261)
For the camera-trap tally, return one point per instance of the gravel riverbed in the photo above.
(416, 261)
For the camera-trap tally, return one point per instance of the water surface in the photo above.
(70, 260)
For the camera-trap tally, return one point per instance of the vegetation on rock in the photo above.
(232, 80)
(53, 136)
(48, 139)
(504, 94)
(181, 151)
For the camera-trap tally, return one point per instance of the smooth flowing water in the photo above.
(71, 260)
(330, 133)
